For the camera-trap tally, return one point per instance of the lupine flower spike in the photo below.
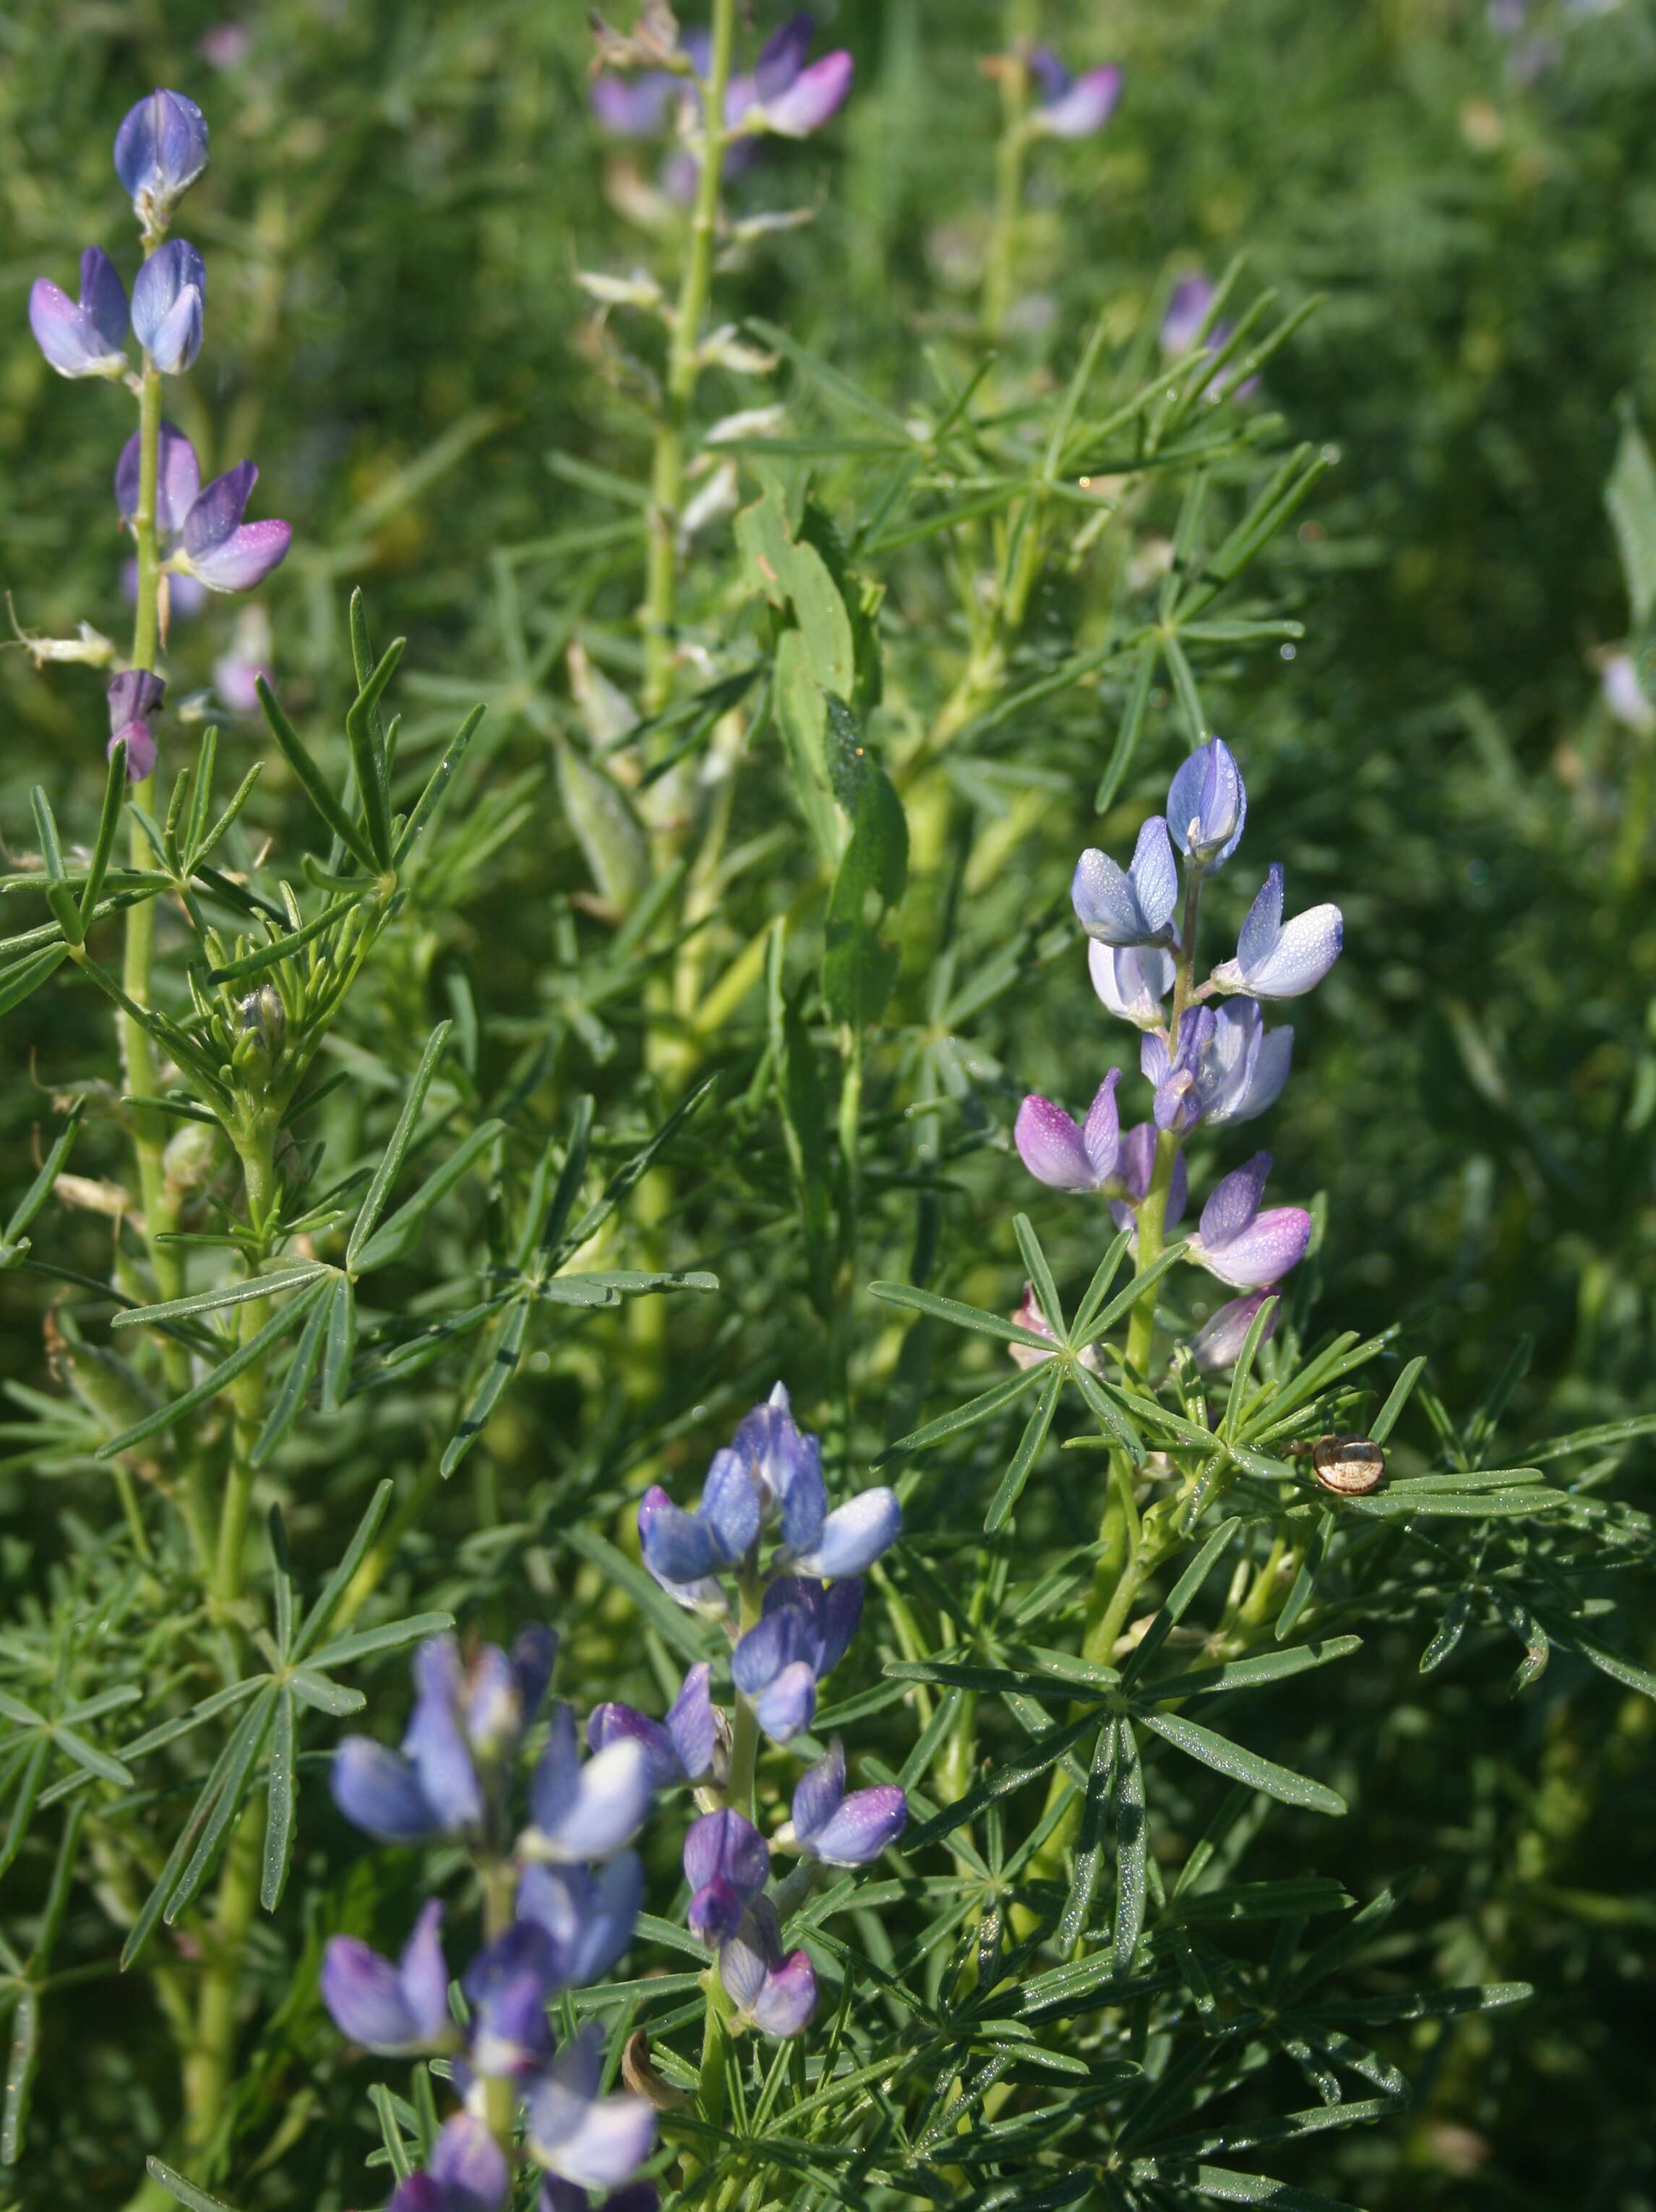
(1207, 1065)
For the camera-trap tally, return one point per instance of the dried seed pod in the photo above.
(1349, 1466)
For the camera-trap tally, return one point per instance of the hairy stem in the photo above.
(668, 471)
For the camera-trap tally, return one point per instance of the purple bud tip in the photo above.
(160, 149)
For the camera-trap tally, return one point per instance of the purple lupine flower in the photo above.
(771, 1989)
(1625, 695)
(841, 1830)
(1132, 980)
(1188, 308)
(86, 338)
(236, 674)
(467, 2173)
(1277, 962)
(393, 2010)
(802, 1635)
(178, 482)
(678, 1749)
(727, 1864)
(169, 297)
(134, 695)
(1067, 1154)
(593, 2141)
(786, 1464)
(1218, 1343)
(589, 1913)
(1071, 107)
(226, 554)
(1135, 907)
(160, 149)
(1208, 805)
(812, 97)
(769, 1473)
(584, 1812)
(509, 1986)
(1237, 1243)
(432, 1787)
(557, 2195)
(854, 1536)
(1228, 1066)
(1138, 1160)
(635, 107)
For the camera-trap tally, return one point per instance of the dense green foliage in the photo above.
(973, 543)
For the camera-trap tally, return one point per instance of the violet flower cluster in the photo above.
(783, 95)
(1208, 1055)
(793, 1620)
(561, 1887)
(562, 1894)
(1067, 106)
(201, 537)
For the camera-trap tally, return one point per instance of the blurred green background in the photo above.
(401, 198)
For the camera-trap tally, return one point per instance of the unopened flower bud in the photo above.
(160, 149)
(264, 1018)
(134, 695)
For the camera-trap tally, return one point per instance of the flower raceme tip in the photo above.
(1208, 805)
(161, 149)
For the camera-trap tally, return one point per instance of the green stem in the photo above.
(247, 1392)
(667, 471)
(499, 1909)
(209, 2068)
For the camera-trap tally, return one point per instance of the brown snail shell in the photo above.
(1351, 1467)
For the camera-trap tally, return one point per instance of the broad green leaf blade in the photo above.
(323, 1696)
(1237, 1764)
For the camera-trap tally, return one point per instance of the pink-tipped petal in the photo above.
(1265, 1251)
(245, 558)
(816, 94)
(1051, 1147)
(1085, 107)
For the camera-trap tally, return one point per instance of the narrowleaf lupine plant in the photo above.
(1207, 1052)
(561, 1895)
